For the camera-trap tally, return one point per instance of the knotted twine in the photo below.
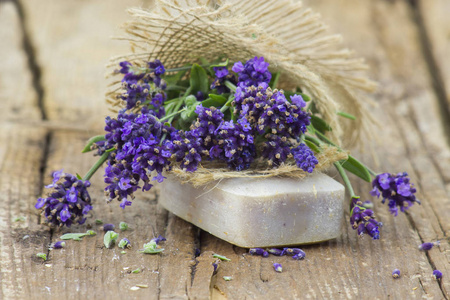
(289, 36)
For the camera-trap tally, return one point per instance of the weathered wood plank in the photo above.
(18, 99)
(87, 269)
(433, 16)
(73, 44)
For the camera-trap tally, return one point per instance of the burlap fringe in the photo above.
(208, 173)
(291, 37)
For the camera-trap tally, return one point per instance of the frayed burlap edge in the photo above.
(290, 36)
(207, 173)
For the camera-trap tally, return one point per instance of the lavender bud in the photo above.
(426, 246)
(396, 273)
(299, 255)
(59, 245)
(437, 274)
(275, 251)
(277, 267)
(256, 251)
(108, 227)
(158, 240)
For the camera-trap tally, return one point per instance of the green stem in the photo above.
(172, 115)
(227, 104)
(97, 165)
(230, 85)
(346, 179)
(371, 172)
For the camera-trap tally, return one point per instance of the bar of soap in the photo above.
(265, 212)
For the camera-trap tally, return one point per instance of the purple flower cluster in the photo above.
(363, 220)
(253, 72)
(68, 200)
(397, 189)
(139, 151)
(222, 74)
(280, 121)
(144, 86)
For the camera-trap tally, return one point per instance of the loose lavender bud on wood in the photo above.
(277, 267)
(299, 255)
(428, 246)
(124, 243)
(437, 274)
(396, 273)
(108, 227)
(275, 251)
(158, 240)
(257, 251)
(59, 245)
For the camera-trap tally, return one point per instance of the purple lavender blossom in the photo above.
(144, 86)
(59, 245)
(437, 274)
(257, 251)
(277, 267)
(275, 251)
(137, 139)
(108, 227)
(363, 220)
(397, 189)
(428, 246)
(254, 72)
(221, 75)
(304, 157)
(396, 273)
(158, 240)
(68, 200)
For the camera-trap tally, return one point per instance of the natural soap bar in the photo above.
(261, 212)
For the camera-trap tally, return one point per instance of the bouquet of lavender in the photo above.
(225, 114)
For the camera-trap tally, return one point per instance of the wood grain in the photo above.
(71, 42)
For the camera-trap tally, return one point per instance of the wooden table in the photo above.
(52, 57)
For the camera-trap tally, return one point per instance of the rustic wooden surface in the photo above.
(52, 57)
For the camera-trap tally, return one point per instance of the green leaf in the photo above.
(91, 141)
(151, 248)
(199, 79)
(110, 238)
(320, 124)
(173, 79)
(221, 257)
(138, 270)
(123, 226)
(42, 255)
(356, 167)
(274, 81)
(227, 278)
(221, 64)
(346, 115)
(123, 243)
(312, 146)
(218, 98)
(20, 219)
(98, 222)
(79, 176)
(73, 236)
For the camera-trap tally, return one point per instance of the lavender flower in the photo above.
(158, 240)
(254, 72)
(259, 252)
(68, 200)
(437, 274)
(137, 138)
(428, 246)
(277, 267)
(363, 220)
(144, 86)
(275, 251)
(304, 158)
(218, 84)
(108, 227)
(396, 273)
(397, 189)
(59, 245)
